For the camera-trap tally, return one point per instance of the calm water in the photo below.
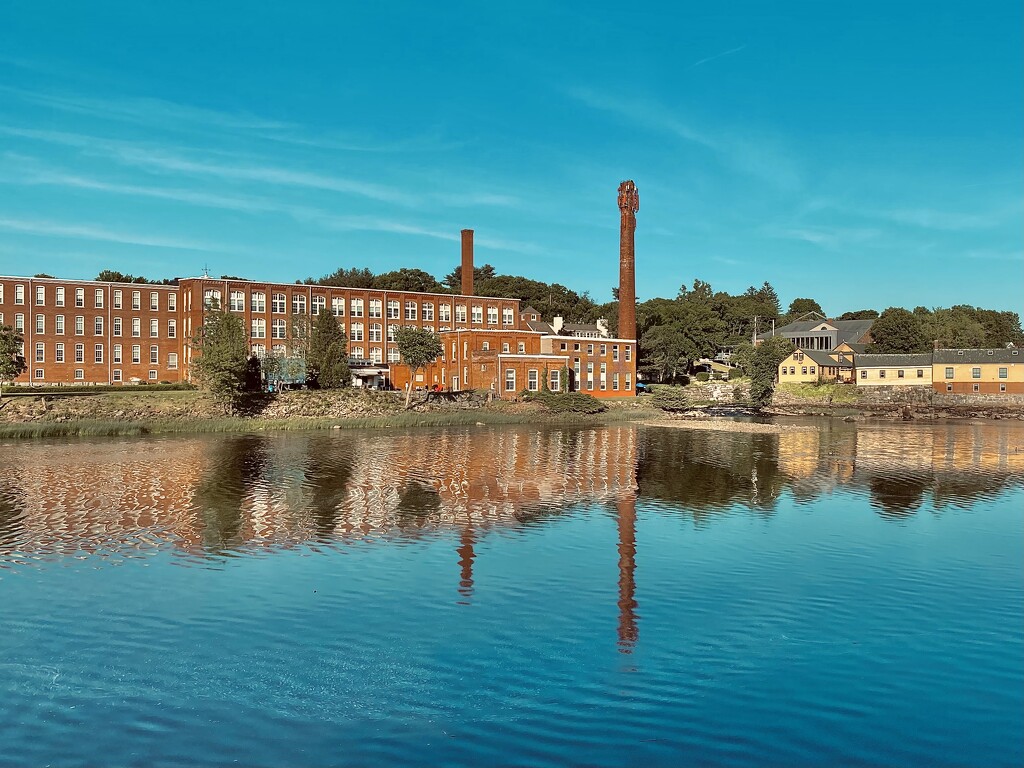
(851, 595)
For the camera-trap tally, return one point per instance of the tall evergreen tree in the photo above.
(326, 360)
(221, 357)
(12, 361)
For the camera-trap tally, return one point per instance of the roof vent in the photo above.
(960, 352)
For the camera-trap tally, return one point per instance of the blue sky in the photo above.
(863, 154)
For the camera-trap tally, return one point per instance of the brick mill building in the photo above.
(90, 332)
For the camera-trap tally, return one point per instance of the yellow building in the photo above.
(811, 366)
(893, 370)
(978, 371)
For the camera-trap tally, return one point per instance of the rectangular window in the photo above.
(881, 373)
(590, 349)
(803, 370)
(79, 325)
(154, 329)
(117, 354)
(172, 329)
(428, 311)
(136, 353)
(977, 387)
(920, 373)
(410, 310)
(863, 374)
(136, 327)
(629, 353)
(154, 301)
(19, 294)
(58, 353)
(40, 353)
(615, 381)
(79, 374)
(172, 302)
(154, 355)
(492, 315)
(356, 333)
(394, 310)
(1002, 387)
(507, 316)
(460, 313)
(376, 308)
(949, 387)
(40, 295)
(900, 374)
(604, 350)
(319, 304)
(355, 308)
(1003, 373)
(258, 301)
(59, 299)
(629, 382)
(376, 355)
(117, 374)
(277, 303)
(79, 353)
(236, 301)
(949, 372)
(486, 346)
(97, 325)
(532, 381)
(259, 328)
(40, 324)
(393, 356)
(278, 329)
(521, 347)
(975, 373)
(446, 313)
(137, 298)
(97, 353)
(338, 306)
(615, 353)
(98, 298)
(375, 332)
(117, 326)
(298, 304)
(555, 380)
(79, 297)
(814, 369)
(172, 360)
(478, 314)
(117, 299)
(510, 379)
(152, 375)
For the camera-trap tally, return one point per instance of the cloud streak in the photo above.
(42, 228)
(730, 52)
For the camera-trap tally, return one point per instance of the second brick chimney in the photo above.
(467, 262)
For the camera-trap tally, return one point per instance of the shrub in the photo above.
(669, 398)
(568, 402)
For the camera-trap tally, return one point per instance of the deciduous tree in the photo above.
(220, 356)
(764, 367)
(418, 349)
(897, 331)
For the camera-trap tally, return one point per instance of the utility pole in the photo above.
(753, 340)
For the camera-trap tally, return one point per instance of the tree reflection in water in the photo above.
(235, 469)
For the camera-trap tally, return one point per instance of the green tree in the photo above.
(327, 360)
(221, 357)
(347, 278)
(859, 314)
(454, 278)
(897, 331)
(418, 349)
(764, 367)
(12, 361)
(800, 307)
(408, 280)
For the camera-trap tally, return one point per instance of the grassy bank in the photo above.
(239, 424)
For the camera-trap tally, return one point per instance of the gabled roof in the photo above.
(846, 330)
(920, 360)
(824, 358)
(529, 310)
(978, 356)
(857, 349)
(539, 325)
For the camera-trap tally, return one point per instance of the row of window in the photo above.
(976, 373)
(376, 354)
(900, 373)
(976, 388)
(411, 310)
(39, 374)
(97, 325)
(116, 354)
(98, 297)
(555, 380)
(603, 350)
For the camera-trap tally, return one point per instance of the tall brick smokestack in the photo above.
(629, 204)
(467, 262)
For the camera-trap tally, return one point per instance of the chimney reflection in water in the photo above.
(466, 558)
(626, 518)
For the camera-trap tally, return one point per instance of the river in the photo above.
(851, 594)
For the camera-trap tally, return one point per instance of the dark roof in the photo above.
(539, 325)
(823, 358)
(857, 349)
(922, 360)
(1011, 355)
(581, 327)
(846, 330)
(529, 310)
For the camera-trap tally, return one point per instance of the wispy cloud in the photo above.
(949, 221)
(717, 56)
(996, 255)
(831, 238)
(44, 228)
(749, 155)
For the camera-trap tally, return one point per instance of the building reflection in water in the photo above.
(208, 496)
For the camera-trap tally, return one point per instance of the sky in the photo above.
(864, 154)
